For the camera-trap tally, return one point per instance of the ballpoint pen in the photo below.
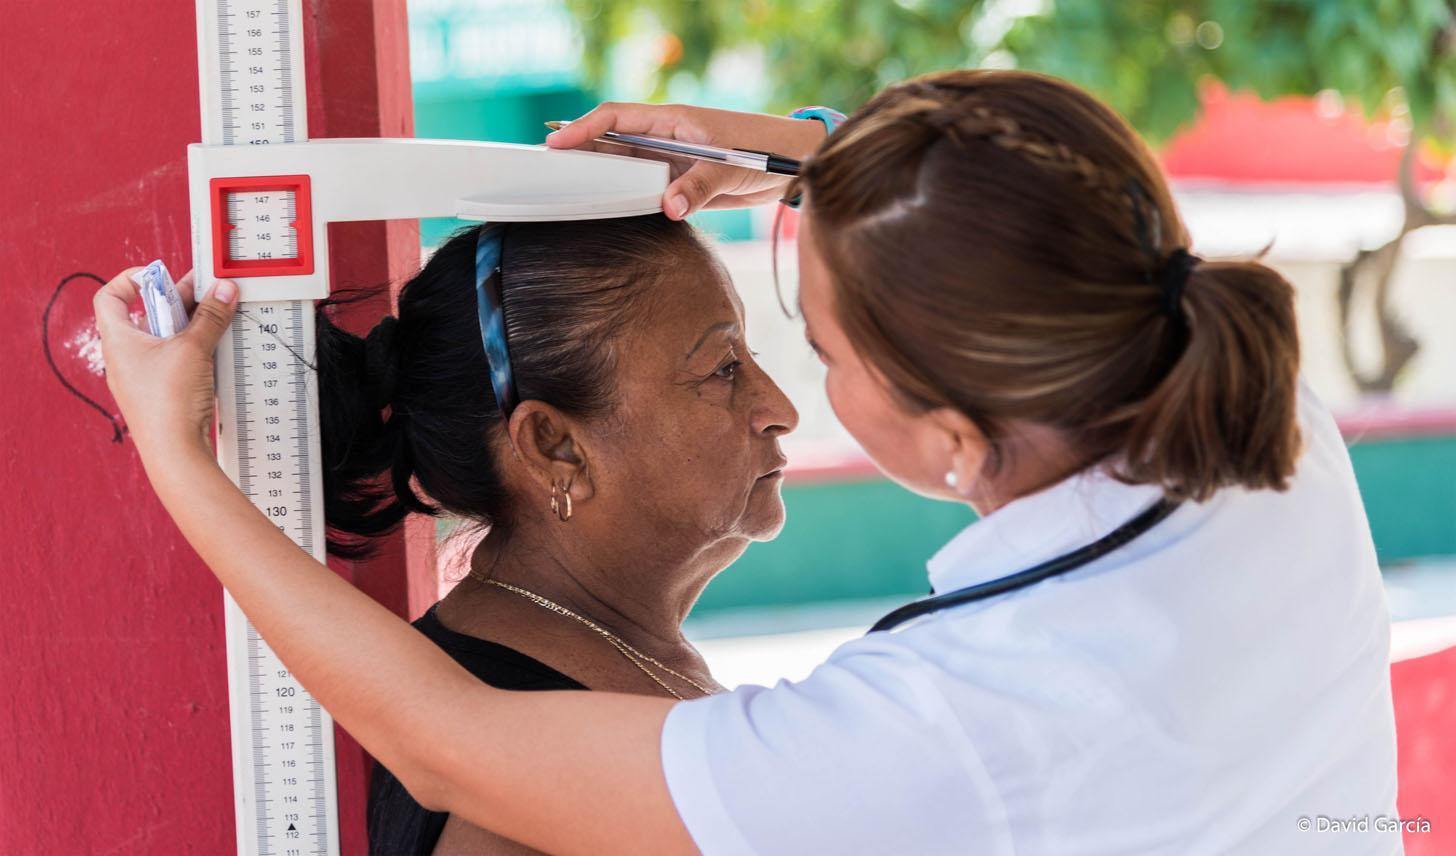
(743, 158)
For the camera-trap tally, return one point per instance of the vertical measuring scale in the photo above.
(250, 57)
(261, 196)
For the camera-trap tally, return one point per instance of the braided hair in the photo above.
(1003, 244)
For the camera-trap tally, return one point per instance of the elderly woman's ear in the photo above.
(550, 453)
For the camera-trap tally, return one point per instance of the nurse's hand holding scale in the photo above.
(995, 274)
(164, 386)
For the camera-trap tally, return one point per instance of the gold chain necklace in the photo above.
(633, 656)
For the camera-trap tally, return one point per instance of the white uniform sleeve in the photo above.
(863, 756)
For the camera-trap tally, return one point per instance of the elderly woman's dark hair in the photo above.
(411, 404)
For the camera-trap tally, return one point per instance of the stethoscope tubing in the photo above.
(1114, 540)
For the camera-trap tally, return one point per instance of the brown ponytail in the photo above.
(1224, 414)
(997, 242)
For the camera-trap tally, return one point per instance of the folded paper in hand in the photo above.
(165, 313)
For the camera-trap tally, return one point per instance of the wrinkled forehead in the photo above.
(683, 303)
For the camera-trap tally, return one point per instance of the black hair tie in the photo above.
(381, 363)
(1172, 278)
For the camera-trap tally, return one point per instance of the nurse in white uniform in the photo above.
(994, 272)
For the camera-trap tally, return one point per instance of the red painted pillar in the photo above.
(1425, 731)
(113, 725)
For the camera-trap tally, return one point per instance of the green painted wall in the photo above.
(843, 540)
(870, 539)
(1409, 488)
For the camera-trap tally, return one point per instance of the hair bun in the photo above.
(381, 362)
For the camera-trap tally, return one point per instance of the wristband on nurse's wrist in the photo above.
(831, 119)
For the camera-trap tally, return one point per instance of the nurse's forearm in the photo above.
(349, 651)
(565, 772)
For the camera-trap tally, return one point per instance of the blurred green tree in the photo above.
(1395, 59)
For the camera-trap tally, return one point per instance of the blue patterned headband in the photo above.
(492, 321)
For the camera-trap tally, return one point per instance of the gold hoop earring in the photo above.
(562, 510)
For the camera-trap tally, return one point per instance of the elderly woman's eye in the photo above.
(729, 369)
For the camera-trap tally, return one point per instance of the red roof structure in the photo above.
(1240, 139)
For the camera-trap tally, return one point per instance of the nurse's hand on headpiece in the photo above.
(163, 387)
(698, 184)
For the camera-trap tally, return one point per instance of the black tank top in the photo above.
(399, 826)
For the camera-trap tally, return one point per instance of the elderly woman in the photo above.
(631, 454)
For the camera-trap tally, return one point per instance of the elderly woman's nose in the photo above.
(773, 413)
